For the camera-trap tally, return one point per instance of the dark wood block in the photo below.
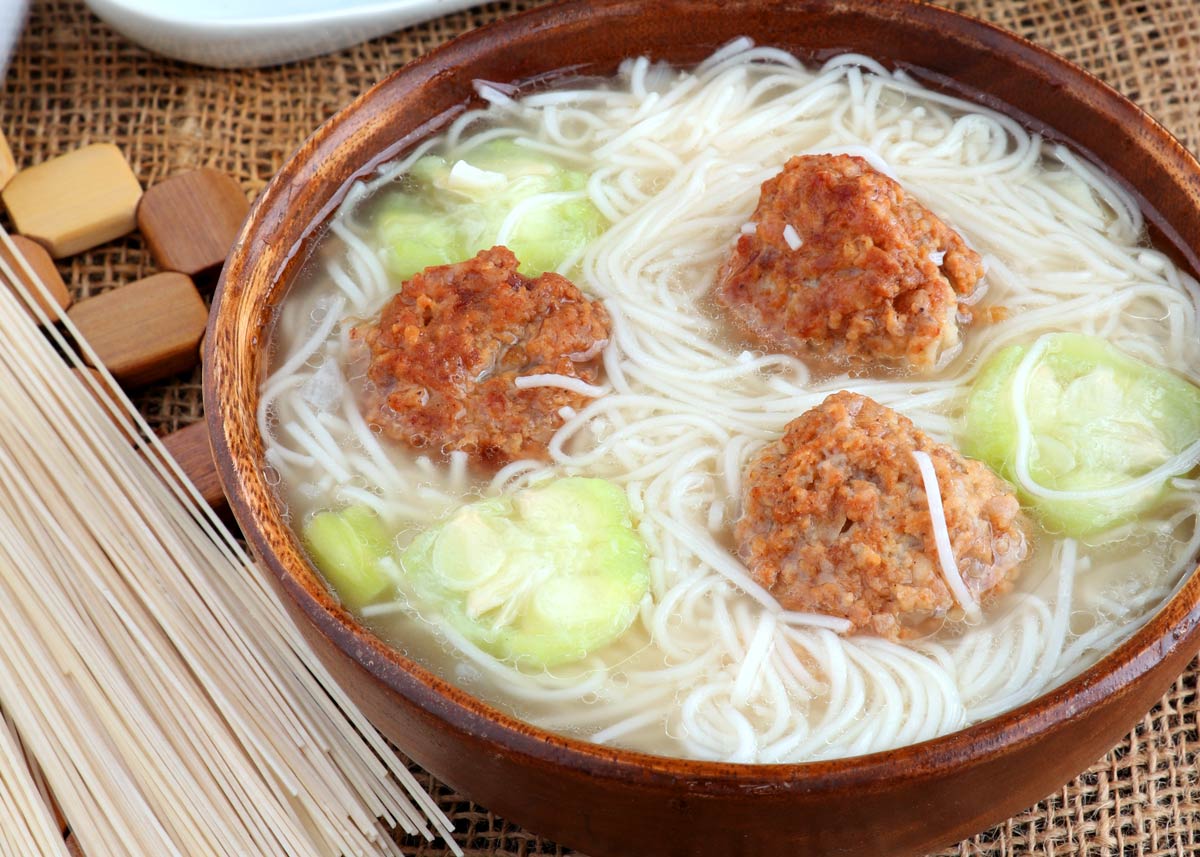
(147, 330)
(191, 219)
(45, 270)
(103, 396)
(190, 447)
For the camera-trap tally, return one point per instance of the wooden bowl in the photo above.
(609, 802)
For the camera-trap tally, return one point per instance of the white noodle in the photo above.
(941, 537)
(565, 382)
(816, 620)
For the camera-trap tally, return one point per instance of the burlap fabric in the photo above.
(74, 81)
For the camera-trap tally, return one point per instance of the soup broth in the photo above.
(668, 164)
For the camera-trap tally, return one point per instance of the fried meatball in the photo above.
(843, 265)
(448, 347)
(835, 520)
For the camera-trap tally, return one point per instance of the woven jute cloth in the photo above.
(74, 81)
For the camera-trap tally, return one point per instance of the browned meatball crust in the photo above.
(448, 347)
(869, 276)
(835, 520)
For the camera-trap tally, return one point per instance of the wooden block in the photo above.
(147, 330)
(75, 201)
(191, 448)
(8, 166)
(190, 220)
(45, 269)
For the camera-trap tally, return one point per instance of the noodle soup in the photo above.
(652, 177)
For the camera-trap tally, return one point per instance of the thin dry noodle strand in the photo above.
(26, 824)
(172, 625)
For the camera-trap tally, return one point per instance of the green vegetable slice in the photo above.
(547, 236)
(505, 156)
(449, 211)
(352, 549)
(416, 239)
(541, 578)
(1097, 418)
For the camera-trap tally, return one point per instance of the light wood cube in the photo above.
(75, 201)
(147, 330)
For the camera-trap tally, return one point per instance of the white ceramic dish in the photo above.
(12, 19)
(238, 33)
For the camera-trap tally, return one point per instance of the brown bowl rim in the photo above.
(1172, 626)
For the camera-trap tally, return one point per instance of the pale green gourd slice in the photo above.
(436, 221)
(350, 548)
(1098, 420)
(541, 579)
(416, 238)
